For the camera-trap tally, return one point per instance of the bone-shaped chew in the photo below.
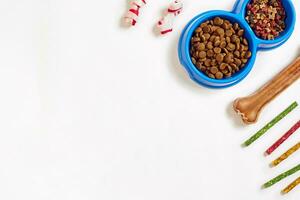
(133, 13)
(165, 25)
(250, 107)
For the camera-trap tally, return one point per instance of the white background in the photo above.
(91, 110)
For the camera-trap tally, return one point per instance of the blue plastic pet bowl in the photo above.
(255, 43)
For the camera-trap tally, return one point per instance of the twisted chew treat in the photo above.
(270, 124)
(133, 13)
(287, 154)
(291, 186)
(250, 107)
(165, 25)
(281, 176)
(283, 138)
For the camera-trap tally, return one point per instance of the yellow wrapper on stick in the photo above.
(287, 154)
(291, 186)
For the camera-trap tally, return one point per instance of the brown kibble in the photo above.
(245, 42)
(228, 58)
(226, 25)
(217, 43)
(244, 61)
(238, 46)
(237, 54)
(195, 55)
(225, 51)
(237, 61)
(234, 66)
(229, 68)
(218, 21)
(211, 76)
(212, 38)
(194, 60)
(198, 65)
(195, 39)
(217, 38)
(241, 32)
(201, 47)
(202, 54)
(207, 36)
(210, 53)
(248, 54)
(204, 24)
(236, 26)
(228, 75)
(243, 54)
(206, 29)
(213, 28)
(228, 39)
(198, 30)
(219, 58)
(213, 62)
(242, 48)
(220, 32)
(209, 45)
(228, 33)
(223, 44)
(202, 59)
(219, 75)
(217, 50)
(225, 71)
(231, 47)
(214, 70)
(234, 38)
(207, 62)
(203, 69)
(223, 66)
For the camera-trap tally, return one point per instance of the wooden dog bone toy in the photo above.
(133, 13)
(250, 107)
(165, 25)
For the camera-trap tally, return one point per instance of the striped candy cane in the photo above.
(132, 15)
(165, 25)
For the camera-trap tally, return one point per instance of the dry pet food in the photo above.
(219, 48)
(266, 18)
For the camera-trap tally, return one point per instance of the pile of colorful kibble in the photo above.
(266, 18)
(219, 48)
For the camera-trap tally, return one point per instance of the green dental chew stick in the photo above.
(271, 124)
(282, 176)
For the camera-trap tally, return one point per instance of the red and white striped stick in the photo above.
(165, 25)
(133, 13)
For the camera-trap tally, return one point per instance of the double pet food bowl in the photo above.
(255, 44)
